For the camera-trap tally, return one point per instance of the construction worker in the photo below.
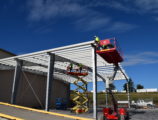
(97, 42)
(80, 67)
(71, 67)
(109, 46)
(103, 47)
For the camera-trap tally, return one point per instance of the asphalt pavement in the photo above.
(28, 115)
(134, 114)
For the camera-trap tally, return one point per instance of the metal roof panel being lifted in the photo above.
(78, 53)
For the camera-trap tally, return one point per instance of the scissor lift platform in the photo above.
(25, 113)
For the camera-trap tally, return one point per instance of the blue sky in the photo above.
(32, 25)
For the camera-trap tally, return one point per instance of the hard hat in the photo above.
(97, 38)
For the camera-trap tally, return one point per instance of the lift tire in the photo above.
(127, 116)
(102, 118)
(122, 117)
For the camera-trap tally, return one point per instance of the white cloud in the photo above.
(124, 5)
(147, 5)
(156, 18)
(137, 6)
(121, 27)
(82, 12)
(92, 23)
(141, 58)
(52, 9)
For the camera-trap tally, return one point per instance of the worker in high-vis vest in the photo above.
(97, 42)
(97, 39)
(71, 67)
(80, 67)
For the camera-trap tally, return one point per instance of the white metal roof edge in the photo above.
(50, 50)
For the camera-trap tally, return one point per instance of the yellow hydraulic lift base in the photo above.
(80, 98)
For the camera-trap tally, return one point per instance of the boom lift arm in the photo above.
(110, 52)
(116, 68)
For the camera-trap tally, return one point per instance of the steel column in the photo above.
(49, 80)
(87, 104)
(68, 94)
(128, 94)
(106, 92)
(17, 73)
(94, 70)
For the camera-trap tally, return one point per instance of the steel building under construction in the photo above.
(37, 79)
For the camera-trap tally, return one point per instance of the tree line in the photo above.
(131, 86)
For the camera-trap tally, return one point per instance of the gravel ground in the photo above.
(144, 114)
(134, 114)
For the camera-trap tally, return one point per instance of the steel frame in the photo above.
(17, 74)
(49, 80)
(99, 69)
(94, 64)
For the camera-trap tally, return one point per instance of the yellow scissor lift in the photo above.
(80, 97)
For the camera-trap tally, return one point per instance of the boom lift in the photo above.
(110, 52)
